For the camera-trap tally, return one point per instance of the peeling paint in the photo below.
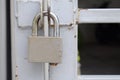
(30, 27)
(78, 15)
(16, 75)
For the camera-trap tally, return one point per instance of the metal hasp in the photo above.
(45, 49)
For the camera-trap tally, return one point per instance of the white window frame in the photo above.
(99, 77)
(99, 16)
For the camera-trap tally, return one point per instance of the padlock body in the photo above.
(45, 49)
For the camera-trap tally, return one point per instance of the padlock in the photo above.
(45, 49)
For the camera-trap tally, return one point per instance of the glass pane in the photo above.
(99, 3)
(99, 49)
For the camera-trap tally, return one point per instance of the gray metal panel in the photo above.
(2, 39)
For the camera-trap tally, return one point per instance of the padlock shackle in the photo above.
(35, 24)
(38, 17)
(56, 24)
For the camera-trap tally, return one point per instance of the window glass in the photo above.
(99, 49)
(99, 3)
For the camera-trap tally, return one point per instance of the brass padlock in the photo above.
(45, 49)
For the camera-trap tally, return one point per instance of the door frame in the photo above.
(99, 16)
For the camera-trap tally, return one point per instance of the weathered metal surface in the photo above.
(67, 70)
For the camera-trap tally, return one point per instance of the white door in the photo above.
(22, 14)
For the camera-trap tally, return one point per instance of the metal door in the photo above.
(22, 13)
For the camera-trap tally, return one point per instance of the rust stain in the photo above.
(71, 24)
(16, 75)
(82, 9)
(75, 36)
(61, 25)
(53, 64)
(77, 22)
